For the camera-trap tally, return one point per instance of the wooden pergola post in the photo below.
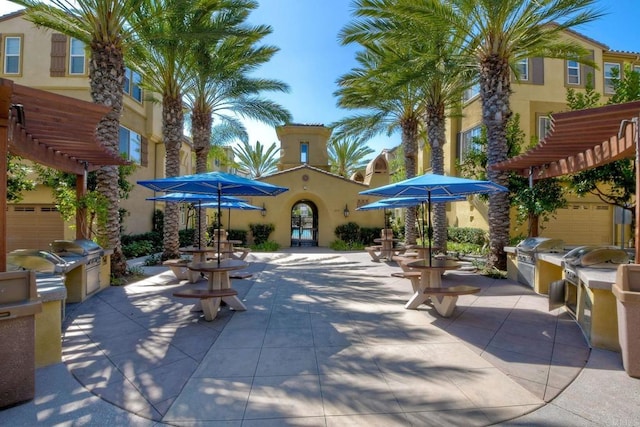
(5, 106)
(82, 228)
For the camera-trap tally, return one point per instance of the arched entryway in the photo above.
(304, 224)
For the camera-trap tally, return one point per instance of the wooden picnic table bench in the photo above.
(444, 298)
(180, 269)
(209, 299)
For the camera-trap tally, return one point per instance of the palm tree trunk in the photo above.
(409, 145)
(201, 131)
(172, 126)
(435, 121)
(106, 74)
(495, 89)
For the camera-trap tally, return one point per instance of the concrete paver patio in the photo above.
(326, 341)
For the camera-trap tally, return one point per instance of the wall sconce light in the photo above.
(263, 212)
(346, 211)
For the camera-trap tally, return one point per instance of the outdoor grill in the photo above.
(42, 262)
(85, 254)
(526, 254)
(601, 257)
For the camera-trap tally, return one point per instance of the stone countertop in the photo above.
(551, 258)
(597, 278)
(51, 287)
(594, 278)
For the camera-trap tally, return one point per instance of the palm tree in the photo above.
(220, 90)
(102, 25)
(495, 35)
(347, 155)
(387, 106)
(165, 60)
(255, 161)
(430, 61)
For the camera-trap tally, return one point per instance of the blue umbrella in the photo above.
(233, 205)
(405, 202)
(430, 185)
(218, 183)
(193, 198)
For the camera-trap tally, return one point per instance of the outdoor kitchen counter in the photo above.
(596, 307)
(597, 278)
(52, 293)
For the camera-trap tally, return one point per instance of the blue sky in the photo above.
(311, 59)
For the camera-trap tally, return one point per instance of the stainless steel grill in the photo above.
(42, 262)
(526, 253)
(82, 252)
(601, 257)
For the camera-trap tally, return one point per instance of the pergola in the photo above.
(53, 130)
(584, 139)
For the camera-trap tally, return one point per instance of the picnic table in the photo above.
(430, 286)
(218, 287)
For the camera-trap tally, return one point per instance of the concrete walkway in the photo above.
(326, 341)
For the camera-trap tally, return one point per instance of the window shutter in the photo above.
(58, 55)
(586, 70)
(537, 71)
(458, 145)
(144, 151)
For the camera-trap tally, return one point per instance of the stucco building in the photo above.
(317, 200)
(50, 61)
(542, 90)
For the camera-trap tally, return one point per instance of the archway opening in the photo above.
(304, 224)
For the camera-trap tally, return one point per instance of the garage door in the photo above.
(33, 226)
(581, 224)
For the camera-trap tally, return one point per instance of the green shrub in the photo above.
(261, 232)
(268, 246)
(153, 259)
(475, 236)
(187, 237)
(138, 249)
(367, 234)
(467, 248)
(238, 235)
(154, 237)
(157, 221)
(341, 245)
(349, 232)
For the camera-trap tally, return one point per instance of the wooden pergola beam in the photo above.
(53, 130)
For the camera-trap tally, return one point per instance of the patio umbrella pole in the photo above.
(219, 222)
(429, 229)
(199, 225)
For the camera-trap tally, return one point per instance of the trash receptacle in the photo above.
(18, 305)
(627, 292)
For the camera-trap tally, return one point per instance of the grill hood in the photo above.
(79, 247)
(585, 256)
(541, 244)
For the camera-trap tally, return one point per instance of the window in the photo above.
(467, 143)
(130, 145)
(304, 152)
(132, 82)
(636, 68)
(573, 73)
(611, 73)
(471, 92)
(523, 69)
(76, 57)
(12, 50)
(544, 126)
